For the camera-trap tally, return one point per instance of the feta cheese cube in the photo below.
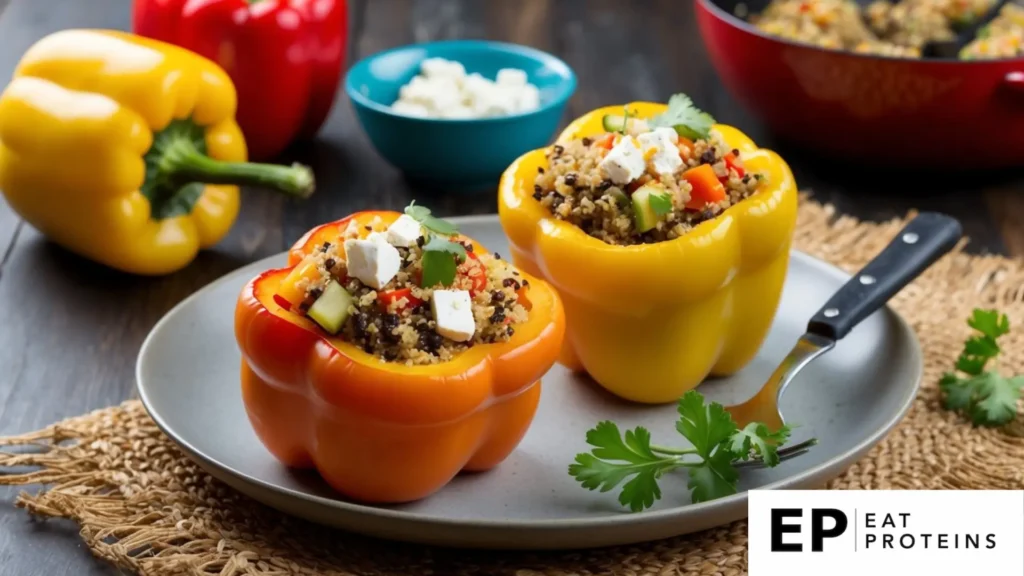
(453, 314)
(457, 111)
(410, 108)
(666, 134)
(528, 98)
(511, 77)
(624, 163)
(373, 261)
(376, 236)
(665, 159)
(404, 231)
(441, 68)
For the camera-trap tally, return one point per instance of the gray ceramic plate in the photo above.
(848, 399)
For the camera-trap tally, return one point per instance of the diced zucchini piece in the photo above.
(614, 122)
(619, 123)
(331, 309)
(648, 205)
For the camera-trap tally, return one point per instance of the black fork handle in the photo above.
(923, 241)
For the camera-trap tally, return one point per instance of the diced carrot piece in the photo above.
(606, 142)
(685, 146)
(706, 188)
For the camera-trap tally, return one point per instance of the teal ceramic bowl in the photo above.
(457, 154)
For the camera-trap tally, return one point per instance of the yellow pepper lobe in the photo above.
(137, 128)
(649, 322)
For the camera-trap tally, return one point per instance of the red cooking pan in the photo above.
(884, 111)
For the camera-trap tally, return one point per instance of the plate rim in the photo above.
(620, 520)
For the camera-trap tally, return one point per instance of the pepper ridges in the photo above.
(382, 431)
(651, 321)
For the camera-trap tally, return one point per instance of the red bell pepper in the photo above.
(388, 296)
(284, 57)
(733, 164)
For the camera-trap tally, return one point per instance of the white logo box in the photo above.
(898, 532)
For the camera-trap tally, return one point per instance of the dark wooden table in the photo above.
(70, 330)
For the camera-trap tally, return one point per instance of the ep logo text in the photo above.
(787, 521)
(796, 533)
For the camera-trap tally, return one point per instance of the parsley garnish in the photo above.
(661, 204)
(441, 258)
(717, 446)
(441, 255)
(422, 215)
(989, 398)
(688, 120)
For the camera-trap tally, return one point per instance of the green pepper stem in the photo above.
(181, 161)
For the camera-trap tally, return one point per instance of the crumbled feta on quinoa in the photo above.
(660, 143)
(624, 163)
(453, 314)
(373, 261)
(404, 231)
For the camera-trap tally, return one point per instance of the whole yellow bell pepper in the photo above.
(649, 322)
(125, 150)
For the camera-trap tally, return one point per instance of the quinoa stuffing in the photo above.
(644, 181)
(1003, 37)
(414, 292)
(888, 28)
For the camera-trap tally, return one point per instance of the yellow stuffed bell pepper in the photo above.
(650, 321)
(125, 150)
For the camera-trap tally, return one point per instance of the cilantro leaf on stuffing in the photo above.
(422, 215)
(688, 120)
(439, 268)
(441, 258)
(440, 244)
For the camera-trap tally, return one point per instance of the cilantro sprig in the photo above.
(441, 255)
(441, 258)
(987, 397)
(434, 224)
(687, 120)
(718, 447)
(661, 204)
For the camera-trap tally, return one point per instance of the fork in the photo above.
(921, 242)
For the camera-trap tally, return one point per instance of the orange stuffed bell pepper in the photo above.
(389, 401)
(665, 279)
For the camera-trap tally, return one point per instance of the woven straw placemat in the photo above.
(144, 506)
